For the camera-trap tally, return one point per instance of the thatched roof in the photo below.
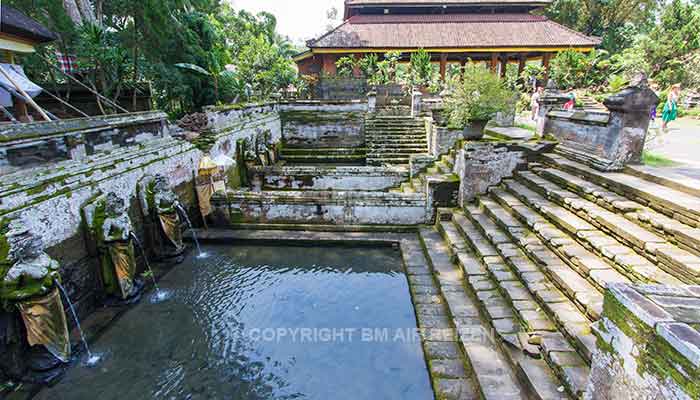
(14, 22)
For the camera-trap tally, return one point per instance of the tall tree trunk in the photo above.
(86, 11)
(98, 12)
(73, 11)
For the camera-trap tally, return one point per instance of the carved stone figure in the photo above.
(116, 250)
(166, 226)
(30, 284)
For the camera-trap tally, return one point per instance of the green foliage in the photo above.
(345, 66)
(421, 72)
(616, 83)
(387, 69)
(368, 64)
(532, 71)
(479, 96)
(144, 40)
(575, 69)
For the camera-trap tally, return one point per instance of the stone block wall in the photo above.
(322, 207)
(41, 143)
(480, 166)
(319, 124)
(327, 178)
(648, 344)
(340, 88)
(606, 141)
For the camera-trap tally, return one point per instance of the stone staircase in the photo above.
(440, 170)
(536, 253)
(393, 139)
(329, 155)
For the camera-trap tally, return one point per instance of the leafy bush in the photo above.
(345, 66)
(421, 72)
(368, 64)
(386, 69)
(575, 69)
(479, 96)
(616, 83)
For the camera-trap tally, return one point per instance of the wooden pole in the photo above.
(504, 65)
(106, 100)
(545, 64)
(443, 66)
(494, 62)
(65, 103)
(25, 95)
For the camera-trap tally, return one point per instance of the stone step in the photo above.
(587, 264)
(403, 144)
(610, 236)
(445, 358)
(399, 150)
(326, 151)
(654, 248)
(537, 325)
(675, 231)
(673, 203)
(323, 158)
(570, 300)
(492, 373)
(667, 178)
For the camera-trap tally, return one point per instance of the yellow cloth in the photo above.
(170, 223)
(45, 321)
(124, 263)
(204, 195)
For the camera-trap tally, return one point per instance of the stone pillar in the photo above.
(551, 98)
(372, 100)
(416, 98)
(629, 116)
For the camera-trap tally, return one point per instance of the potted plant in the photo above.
(421, 70)
(475, 99)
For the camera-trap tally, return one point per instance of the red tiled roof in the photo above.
(439, 2)
(451, 31)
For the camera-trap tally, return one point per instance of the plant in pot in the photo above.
(475, 99)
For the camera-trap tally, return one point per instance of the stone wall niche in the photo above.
(648, 344)
(606, 141)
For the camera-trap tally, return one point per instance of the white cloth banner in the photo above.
(16, 72)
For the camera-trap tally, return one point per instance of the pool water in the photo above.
(264, 322)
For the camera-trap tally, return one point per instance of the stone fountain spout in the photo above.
(115, 245)
(159, 204)
(29, 284)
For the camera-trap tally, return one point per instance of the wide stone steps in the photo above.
(517, 282)
(653, 257)
(445, 356)
(619, 245)
(673, 203)
(392, 140)
(621, 217)
(591, 266)
(507, 292)
(352, 155)
(491, 371)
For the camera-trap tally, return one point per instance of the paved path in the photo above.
(681, 144)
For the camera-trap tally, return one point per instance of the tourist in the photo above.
(569, 105)
(535, 102)
(670, 112)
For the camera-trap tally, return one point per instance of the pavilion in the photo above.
(452, 31)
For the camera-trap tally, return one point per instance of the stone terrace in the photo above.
(536, 253)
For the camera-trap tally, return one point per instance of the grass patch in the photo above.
(655, 160)
(526, 127)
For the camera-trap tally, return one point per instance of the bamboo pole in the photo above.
(65, 103)
(25, 95)
(106, 100)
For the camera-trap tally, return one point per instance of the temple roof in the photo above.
(438, 2)
(451, 31)
(16, 23)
